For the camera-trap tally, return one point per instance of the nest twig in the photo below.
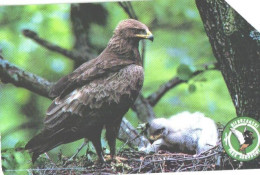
(133, 162)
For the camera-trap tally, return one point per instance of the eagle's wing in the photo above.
(238, 135)
(83, 92)
(66, 111)
(87, 72)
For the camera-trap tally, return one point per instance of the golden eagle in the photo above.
(96, 95)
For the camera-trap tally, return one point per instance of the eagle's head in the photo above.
(157, 129)
(131, 29)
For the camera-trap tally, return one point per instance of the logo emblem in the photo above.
(241, 138)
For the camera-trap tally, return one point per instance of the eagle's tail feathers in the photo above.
(44, 142)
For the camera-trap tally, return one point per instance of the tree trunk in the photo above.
(235, 44)
(82, 16)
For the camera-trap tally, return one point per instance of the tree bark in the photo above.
(9, 73)
(81, 17)
(235, 44)
(129, 135)
(143, 109)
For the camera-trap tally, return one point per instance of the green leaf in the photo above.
(192, 88)
(10, 151)
(184, 72)
(19, 144)
(202, 79)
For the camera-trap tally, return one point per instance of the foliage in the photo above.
(180, 47)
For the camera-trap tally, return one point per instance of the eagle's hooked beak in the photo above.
(155, 137)
(148, 35)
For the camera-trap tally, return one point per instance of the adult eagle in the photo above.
(95, 95)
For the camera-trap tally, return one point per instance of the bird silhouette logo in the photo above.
(244, 138)
(241, 138)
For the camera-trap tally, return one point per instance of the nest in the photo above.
(171, 162)
(130, 161)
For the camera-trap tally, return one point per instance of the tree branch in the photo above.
(9, 73)
(128, 8)
(143, 109)
(130, 136)
(70, 54)
(81, 17)
(164, 88)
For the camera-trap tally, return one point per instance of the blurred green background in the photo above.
(179, 39)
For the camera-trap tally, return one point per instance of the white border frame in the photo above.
(249, 9)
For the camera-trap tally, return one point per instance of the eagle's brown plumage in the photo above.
(95, 95)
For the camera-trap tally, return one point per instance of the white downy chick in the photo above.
(186, 132)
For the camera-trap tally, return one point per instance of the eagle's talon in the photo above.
(118, 159)
(115, 159)
(107, 158)
(100, 163)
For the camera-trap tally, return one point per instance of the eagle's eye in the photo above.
(138, 31)
(159, 131)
